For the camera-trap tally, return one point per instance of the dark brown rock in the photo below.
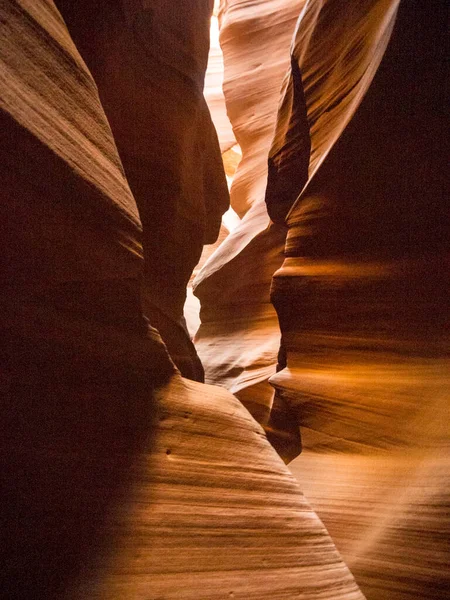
(149, 62)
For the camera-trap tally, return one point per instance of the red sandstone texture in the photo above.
(149, 64)
(362, 292)
(238, 339)
(121, 478)
(124, 480)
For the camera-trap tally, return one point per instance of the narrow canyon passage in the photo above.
(361, 284)
(283, 161)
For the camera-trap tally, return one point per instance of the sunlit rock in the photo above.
(363, 294)
(213, 91)
(238, 339)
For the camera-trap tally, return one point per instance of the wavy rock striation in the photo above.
(362, 295)
(121, 479)
(238, 338)
(144, 57)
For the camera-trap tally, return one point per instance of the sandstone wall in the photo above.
(149, 61)
(120, 479)
(362, 295)
(238, 339)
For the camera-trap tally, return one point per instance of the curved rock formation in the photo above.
(363, 294)
(208, 512)
(213, 91)
(120, 478)
(238, 338)
(144, 57)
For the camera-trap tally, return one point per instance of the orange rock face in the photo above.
(124, 480)
(121, 479)
(238, 339)
(144, 59)
(362, 295)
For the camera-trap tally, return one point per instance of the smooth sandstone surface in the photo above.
(364, 284)
(121, 479)
(238, 338)
(212, 512)
(145, 58)
(388, 515)
(362, 295)
(255, 39)
(175, 494)
(52, 122)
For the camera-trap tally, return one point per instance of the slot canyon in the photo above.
(225, 353)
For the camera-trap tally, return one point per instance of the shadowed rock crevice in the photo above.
(149, 63)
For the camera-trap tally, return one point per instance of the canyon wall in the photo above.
(120, 479)
(145, 57)
(239, 337)
(363, 293)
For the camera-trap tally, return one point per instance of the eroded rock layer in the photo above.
(142, 493)
(362, 295)
(239, 336)
(146, 57)
(120, 478)
(58, 130)
(388, 516)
